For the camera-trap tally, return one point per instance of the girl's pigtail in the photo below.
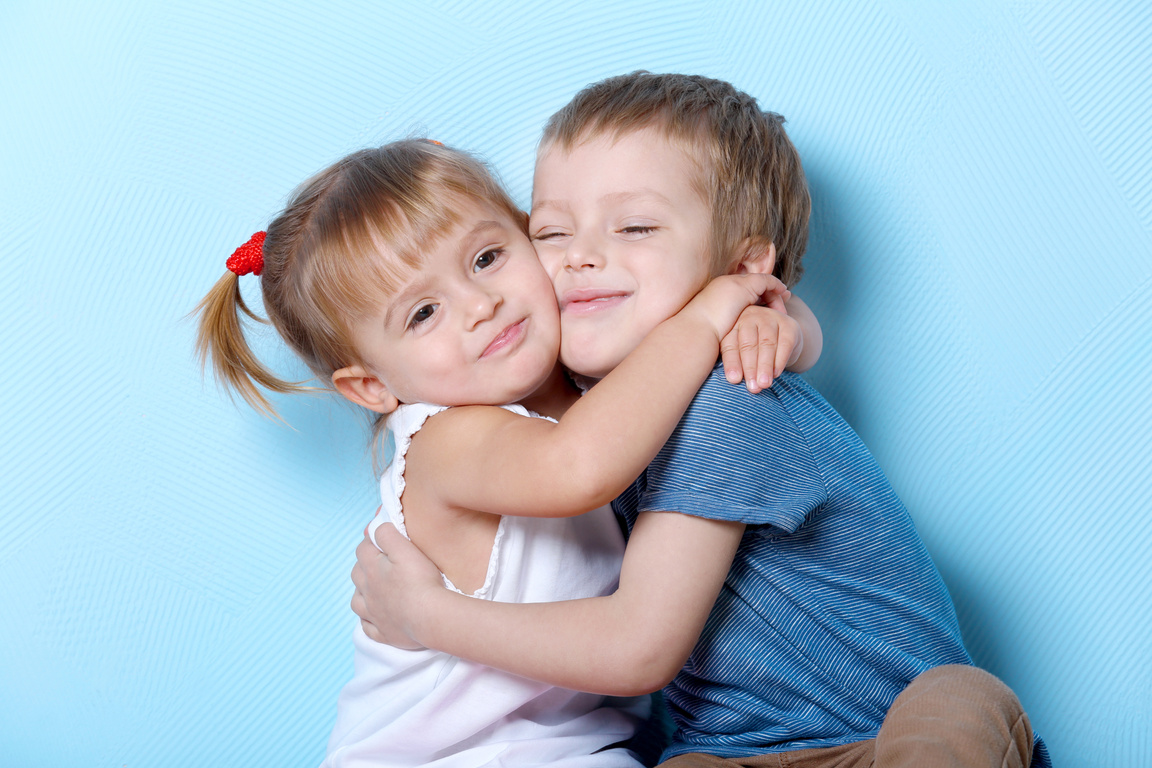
(221, 338)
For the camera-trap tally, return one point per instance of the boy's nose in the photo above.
(585, 251)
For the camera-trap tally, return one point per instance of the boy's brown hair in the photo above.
(750, 171)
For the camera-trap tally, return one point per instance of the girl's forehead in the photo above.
(402, 261)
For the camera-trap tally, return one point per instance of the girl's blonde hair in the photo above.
(323, 267)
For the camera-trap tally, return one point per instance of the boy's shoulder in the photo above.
(739, 456)
(735, 425)
(723, 407)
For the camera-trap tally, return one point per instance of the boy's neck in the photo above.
(554, 397)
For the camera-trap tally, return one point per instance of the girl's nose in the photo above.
(481, 304)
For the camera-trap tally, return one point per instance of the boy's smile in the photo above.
(623, 232)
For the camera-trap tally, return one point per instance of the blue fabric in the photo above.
(832, 605)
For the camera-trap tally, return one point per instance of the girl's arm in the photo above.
(628, 643)
(489, 460)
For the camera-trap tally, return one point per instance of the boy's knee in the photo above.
(959, 685)
(961, 715)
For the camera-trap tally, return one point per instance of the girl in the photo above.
(404, 276)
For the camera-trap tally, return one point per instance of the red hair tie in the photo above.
(248, 257)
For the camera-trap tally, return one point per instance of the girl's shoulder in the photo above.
(468, 421)
(446, 430)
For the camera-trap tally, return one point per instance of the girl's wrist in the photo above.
(425, 610)
(692, 323)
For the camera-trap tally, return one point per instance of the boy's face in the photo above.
(623, 233)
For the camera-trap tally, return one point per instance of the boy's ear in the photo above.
(364, 389)
(758, 258)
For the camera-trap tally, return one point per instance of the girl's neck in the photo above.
(554, 397)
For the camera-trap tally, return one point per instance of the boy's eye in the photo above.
(486, 259)
(637, 229)
(423, 314)
(550, 235)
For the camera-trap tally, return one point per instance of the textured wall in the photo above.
(175, 568)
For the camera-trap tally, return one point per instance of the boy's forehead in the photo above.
(552, 164)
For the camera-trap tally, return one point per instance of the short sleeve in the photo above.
(737, 456)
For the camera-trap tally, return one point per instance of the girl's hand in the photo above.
(390, 586)
(753, 346)
(722, 300)
(763, 343)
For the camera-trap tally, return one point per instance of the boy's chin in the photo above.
(587, 366)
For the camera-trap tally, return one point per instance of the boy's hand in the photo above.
(389, 584)
(763, 343)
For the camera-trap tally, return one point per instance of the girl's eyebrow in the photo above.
(402, 298)
(419, 286)
(481, 228)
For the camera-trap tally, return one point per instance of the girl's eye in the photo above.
(486, 259)
(548, 235)
(423, 314)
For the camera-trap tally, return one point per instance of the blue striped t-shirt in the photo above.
(832, 605)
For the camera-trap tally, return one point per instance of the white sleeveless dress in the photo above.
(426, 708)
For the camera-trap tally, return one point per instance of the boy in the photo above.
(772, 575)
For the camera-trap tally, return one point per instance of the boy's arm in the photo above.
(811, 341)
(489, 460)
(631, 642)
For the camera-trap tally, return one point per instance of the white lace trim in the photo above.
(394, 474)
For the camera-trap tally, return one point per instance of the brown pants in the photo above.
(948, 717)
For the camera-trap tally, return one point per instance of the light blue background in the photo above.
(175, 569)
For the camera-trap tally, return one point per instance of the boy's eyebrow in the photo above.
(635, 194)
(559, 205)
(614, 198)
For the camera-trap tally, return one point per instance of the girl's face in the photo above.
(475, 324)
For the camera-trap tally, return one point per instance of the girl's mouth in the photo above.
(508, 337)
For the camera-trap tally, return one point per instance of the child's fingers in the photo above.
(775, 294)
(769, 352)
(750, 354)
(730, 356)
(776, 300)
(391, 541)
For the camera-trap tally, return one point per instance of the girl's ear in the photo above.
(757, 259)
(364, 389)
